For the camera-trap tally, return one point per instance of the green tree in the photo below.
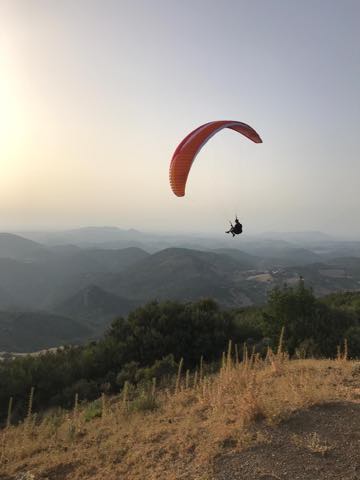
(305, 319)
(353, 338)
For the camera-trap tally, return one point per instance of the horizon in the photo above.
(95, 98)
(191, 233)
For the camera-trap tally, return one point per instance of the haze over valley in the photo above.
(68, 286)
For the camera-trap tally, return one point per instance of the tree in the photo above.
(305, 319)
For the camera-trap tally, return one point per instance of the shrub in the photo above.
(93, 410)
(305, 319)
(353, 338)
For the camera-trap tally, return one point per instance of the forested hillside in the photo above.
(91, 286)
(153, 339)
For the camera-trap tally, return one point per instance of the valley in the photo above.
(80, 287)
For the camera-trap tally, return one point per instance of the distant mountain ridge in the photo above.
(176, 273)
(92, 285)
(19, 248)
(96, 305)
(311, 236)
(58, 274)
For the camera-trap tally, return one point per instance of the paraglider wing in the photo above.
(187, 150)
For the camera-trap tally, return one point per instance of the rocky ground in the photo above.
(321, 443)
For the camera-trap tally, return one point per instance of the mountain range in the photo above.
(84, 281)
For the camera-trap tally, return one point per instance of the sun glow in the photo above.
(12, 127)
(7, 116)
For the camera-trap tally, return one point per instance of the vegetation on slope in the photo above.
(180, 432)
(153, 339)
(39, 330)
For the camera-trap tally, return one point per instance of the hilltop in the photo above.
(95, 307)
(177, 273)
(156, 398)
(17, 247)
(255, 420)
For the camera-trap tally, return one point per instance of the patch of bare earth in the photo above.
(321, 443)
(272, 419)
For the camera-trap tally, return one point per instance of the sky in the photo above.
(95, 95)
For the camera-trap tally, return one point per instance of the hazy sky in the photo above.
(96, 94)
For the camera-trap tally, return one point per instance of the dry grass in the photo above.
(313, 443)
(194, 422)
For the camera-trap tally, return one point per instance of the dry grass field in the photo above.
(255, 419)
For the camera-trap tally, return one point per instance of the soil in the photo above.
(321, 443)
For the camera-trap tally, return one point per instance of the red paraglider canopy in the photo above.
(187, 150)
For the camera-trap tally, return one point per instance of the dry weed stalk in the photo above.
(281, 356)
(187, 379)
(205, 389)
(281, 340)
(201, 372)
(252, 356)
(30, 404)
(29, 416)
(195, 379)
(229, 353)
(9, 412)
(153, 388)
(103, 405)
(76, 406)
(245, 354)
(125, 395)
(338, 352)
(3, 446)
(342, 356)
(250, 400)
(5, 431)
(238, 394)
(223, 362)
(346, 352)
(271, 359)
(178, 377)
(269, 354)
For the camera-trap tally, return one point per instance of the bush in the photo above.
(144, 403)
(129, 373)
(353, 338)
(305, 319)
(93, 410)
(86, 390)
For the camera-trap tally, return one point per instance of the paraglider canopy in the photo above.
(187, 150)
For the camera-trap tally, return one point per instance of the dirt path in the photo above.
(320, 443)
